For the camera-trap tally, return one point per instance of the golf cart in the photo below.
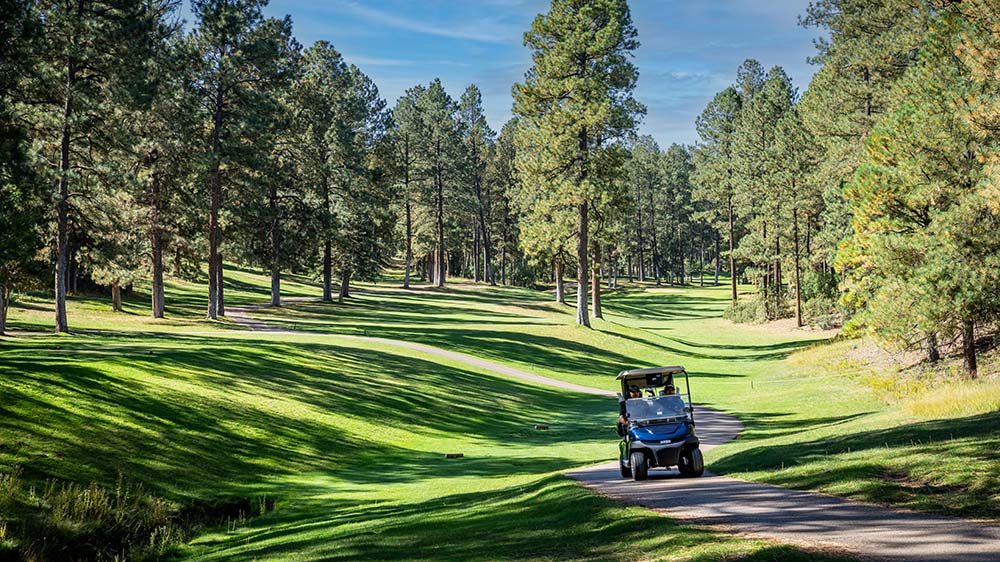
(659, 427)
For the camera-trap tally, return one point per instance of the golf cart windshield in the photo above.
(655, 408)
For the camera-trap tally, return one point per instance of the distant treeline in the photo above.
(131, 149)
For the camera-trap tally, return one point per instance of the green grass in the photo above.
(184, 311)
(934, 449)
(812, 420)
(346, 438)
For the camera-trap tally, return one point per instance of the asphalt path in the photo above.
(866, 531)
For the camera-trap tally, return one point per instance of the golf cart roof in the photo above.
(642, 373)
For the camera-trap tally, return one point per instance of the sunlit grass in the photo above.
(349, 440)
(350, 437)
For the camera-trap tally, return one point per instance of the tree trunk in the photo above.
(4, 303)
(969, 348)
(560, 292)
(583, 231)
(345, 286)
(219, 291)
(214, 231)
(503, 261)
(732, 255)
(595, 279)
(156, 245)
(484, 236)
(652, 236)
(275, 236)
(62, 210)
(116, 297)
(798, 271)
(439, 255)
(409, 213)
(777, 263)
(701, 260)
(475, 256)
(680, 252)
(718, 259)
(933, 350)
(641, 272)
(582, 262)
(327, 244)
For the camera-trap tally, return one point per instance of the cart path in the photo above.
(758, 509)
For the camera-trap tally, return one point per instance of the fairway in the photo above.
(343, 442)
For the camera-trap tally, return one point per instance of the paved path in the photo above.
(758, 509)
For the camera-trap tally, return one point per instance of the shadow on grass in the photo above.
(769, 352)
(203, 412)
(548, 519)
(876, 463)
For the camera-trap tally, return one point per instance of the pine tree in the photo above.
(318, 96)
(575, 100)
(677, 209)
(363, 214)
(240, 51)
(645, 174)
(793, 157)
(502, 174)
(88, 51)
(923, 257)
(871, 44)
(20, 202)
(477, 142)
(440, 145)
(713, 158)
(406, 127)
(757, 196)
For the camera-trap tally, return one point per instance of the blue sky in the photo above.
(690, 48)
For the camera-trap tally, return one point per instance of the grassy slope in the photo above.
(813, 422)
(349, 439)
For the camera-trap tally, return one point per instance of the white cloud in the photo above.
(480, 29)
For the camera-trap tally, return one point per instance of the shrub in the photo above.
(822, 312)
(95, 522)
(523, 276)
(746, 311)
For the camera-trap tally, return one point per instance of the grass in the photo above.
(813, 419)
(933, 449)
(346, 440)
(184, 311)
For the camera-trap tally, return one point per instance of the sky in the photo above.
(690, 49)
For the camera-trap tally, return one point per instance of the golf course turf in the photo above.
(343, 442)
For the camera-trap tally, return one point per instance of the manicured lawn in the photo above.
(813, 419)
(348, 440)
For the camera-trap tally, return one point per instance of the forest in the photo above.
(138, 146)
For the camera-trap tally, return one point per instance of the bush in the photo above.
(746, 311)
(822, 312)
(96, 523)
(818, 284)
(523, 276)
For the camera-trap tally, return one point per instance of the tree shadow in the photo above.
(971, 439)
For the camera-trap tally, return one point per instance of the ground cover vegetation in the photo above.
(139, 440)
(277, 423)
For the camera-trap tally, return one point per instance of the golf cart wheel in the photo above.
(625, 471)
(692, 463)
(640, 469)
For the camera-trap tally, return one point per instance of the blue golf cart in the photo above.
(659, 425)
